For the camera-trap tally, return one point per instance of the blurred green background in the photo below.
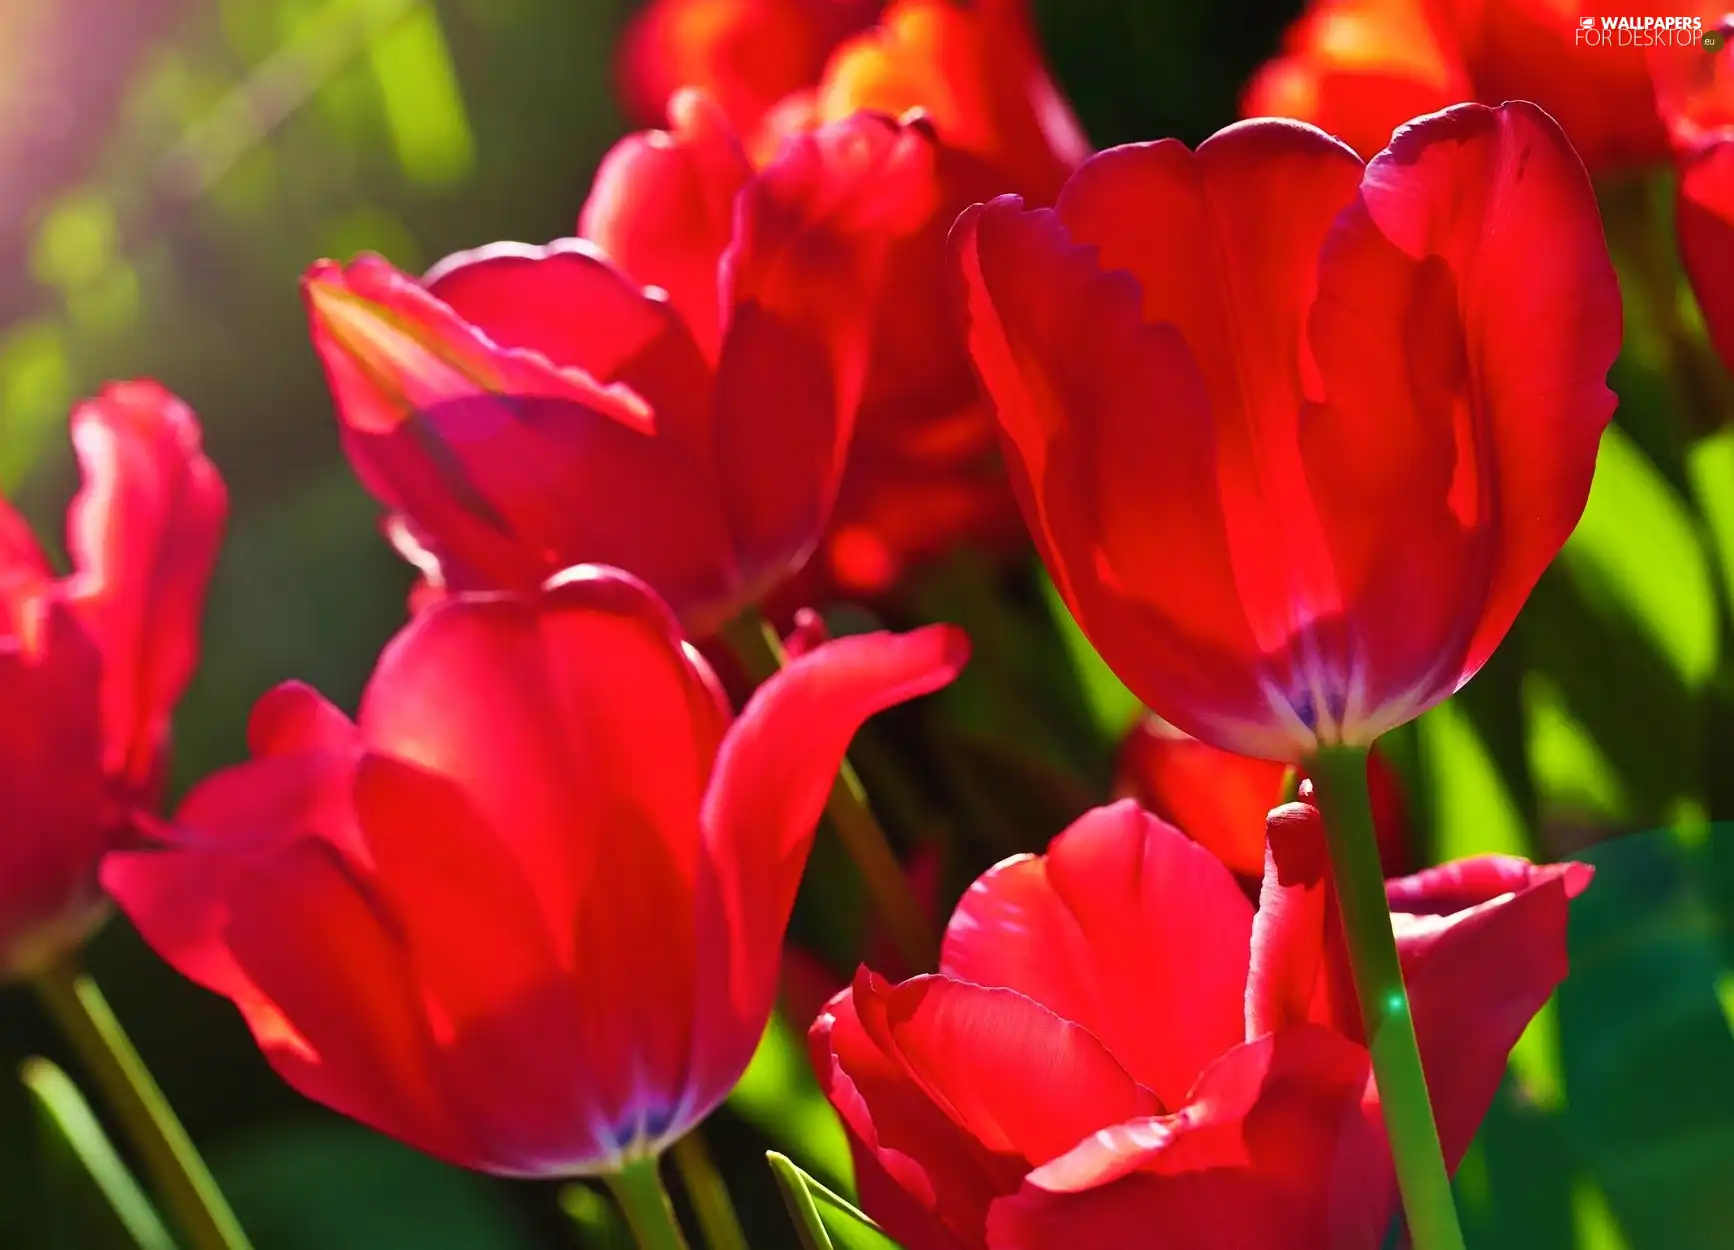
(169, 168)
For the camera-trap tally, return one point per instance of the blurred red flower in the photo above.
(924, 475)
(1221, 799)
(525, 912)
(1117, 1041)
(92, 664)
(745, 54)
(1704, 222)
(675, 397)
(1297, 437)
(1696, 96)
(1361, 68)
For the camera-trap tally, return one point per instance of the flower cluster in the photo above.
(1295, 420)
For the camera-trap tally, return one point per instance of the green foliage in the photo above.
(86, 1198)
(371, 1193)
(823, 1220)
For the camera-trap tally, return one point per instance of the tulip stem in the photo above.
(760, 652)
(1339, 776)
(709, 1195)
(637, 1187)
(170, 1160)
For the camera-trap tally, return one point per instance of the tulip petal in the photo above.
(1704, 219)
(772, 776)
(1025, 1085)
(1273, 1149)
(143, 534)
(60, 812)
(293, 718)
(1359, 69)
(800, 282)
(1215, 797)
(506, 1019)
(23, 568)
(1125, 927)
(1300, 970)
(1075, 374)
(570, 721)
(924, 1178)
(1514, 408)
(1483, 943)
(976, 74)
(1224, 243)
(505, 467)
(662, 208)
(391, 350)
(179, 892)
(566, 302)
(339, 1018)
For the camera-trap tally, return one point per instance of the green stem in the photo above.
(644, 1202)
(709, 1196)
(756, 646)
(170, 1160)
(1339, 777)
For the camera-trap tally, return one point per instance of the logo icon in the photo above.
(1713, 40)
(1586, 23)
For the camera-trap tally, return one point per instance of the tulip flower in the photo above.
(1297, 437)
(1118, 1045)
(1360, 68)
(92, 664)
(524, 912)
(924, 476)
(674, 398)
(1704, 220)
(1220, 799)
(1696, 97)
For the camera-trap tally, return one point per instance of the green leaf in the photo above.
(1647, 1049)
(1637, 553)
(779, 1096)
(327, 1183)
(823, 1220)
(76, 1157)
(1114, 707)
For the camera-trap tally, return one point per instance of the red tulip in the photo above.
(524, 913)
(1704, 220)
(1696, 96)
(1361, 68)
(1221, 799)
(92, 664)
(924, 475)
(1117, 1042)
(1297, 437)
(527, 409)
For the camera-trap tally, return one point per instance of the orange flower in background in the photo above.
(92, 664)
(674, 396)
(1221, 800)
(1360, 68)
(745, 54)
(1297, 436)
